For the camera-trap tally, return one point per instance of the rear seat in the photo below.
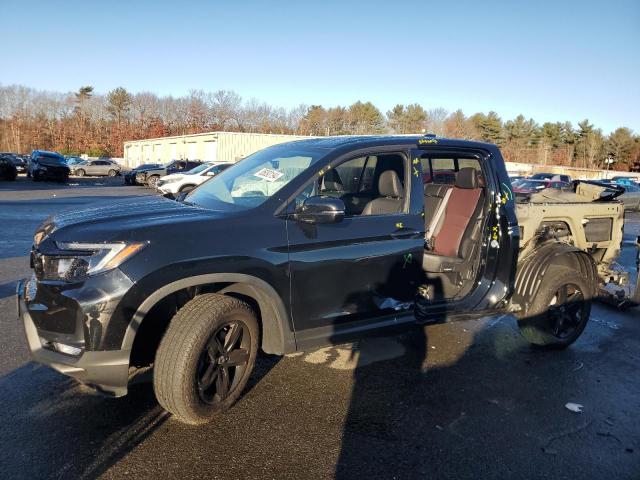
(456, 234)
(434, 195)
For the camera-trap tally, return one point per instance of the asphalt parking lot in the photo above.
(463, 400)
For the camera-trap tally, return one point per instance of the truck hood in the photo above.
(122, 219)
(52, 162)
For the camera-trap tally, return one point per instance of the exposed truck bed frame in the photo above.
(594, 227)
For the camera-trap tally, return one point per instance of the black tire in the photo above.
(189, 370)
(560, 310)
(80, 173)
(186, 188)
(36, 176)
(112, 173)
(152, 181)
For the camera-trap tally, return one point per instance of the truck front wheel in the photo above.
(205, 357)
(152, 182)
(560, 310)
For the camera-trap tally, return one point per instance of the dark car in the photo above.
(45, 165)
(150, 176)
(130, 176)
(300, 245)
(550, 176)
(19, 162)
(8, 170)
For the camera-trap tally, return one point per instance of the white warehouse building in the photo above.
(213, 146)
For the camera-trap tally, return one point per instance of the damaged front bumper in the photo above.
(106, 370)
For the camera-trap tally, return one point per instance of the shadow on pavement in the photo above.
(53, 427)
(22, 183)
(487, 405)
(75, 436)
(8, 289)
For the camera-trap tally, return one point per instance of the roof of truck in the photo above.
(363, 141)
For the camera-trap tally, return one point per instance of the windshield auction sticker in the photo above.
(268, 174)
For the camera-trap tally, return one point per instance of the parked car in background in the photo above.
(624, 181)
(17, 160)
(176, 183)
(150, 177)
(73, 160)
(95, 168)
(515, 178)
(130, 176)
(551, 176)
(44, 165)
(8, 170)
(631, 197)
(532, 186)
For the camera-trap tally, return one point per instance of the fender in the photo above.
(277, 334)
(531, 269)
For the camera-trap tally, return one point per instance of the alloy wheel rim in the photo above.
(567, 311)
(223, 362)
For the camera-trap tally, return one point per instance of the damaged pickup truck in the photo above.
(305, 244)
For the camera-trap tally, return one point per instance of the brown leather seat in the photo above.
(462, 203)
(390, 188)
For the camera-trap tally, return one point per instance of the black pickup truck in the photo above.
(299, 245)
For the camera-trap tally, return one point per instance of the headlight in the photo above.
(85, 259)
(43, 168)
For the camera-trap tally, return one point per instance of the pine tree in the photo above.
(118, 103)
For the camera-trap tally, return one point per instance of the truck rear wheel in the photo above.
(205, 357)
(559, 311)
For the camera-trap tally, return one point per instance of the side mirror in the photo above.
(320, 209)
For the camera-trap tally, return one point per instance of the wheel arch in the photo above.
(531, 270)
(277, 336)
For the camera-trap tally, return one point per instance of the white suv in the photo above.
(177, 183)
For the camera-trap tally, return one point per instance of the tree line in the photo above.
(96, 124)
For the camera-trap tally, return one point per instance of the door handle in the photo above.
(406, 233)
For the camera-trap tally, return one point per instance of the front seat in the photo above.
(392, 195)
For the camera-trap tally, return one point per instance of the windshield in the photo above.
(255, 179)
(198, 169)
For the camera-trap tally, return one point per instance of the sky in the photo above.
(548, 60)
